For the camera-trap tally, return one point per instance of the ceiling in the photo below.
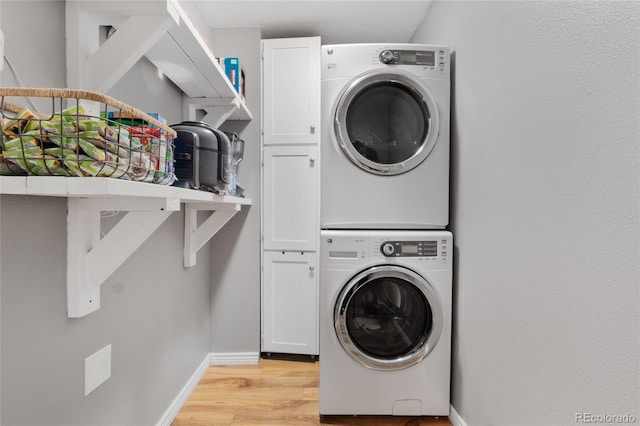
(336, 21)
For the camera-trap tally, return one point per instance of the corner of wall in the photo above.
(421, 23)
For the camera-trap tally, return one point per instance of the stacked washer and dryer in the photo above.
(385, 256)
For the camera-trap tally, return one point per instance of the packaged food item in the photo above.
(140, 167)
(33, 160)
(153, 140)
(72, 113)
(128, 119)
(94, 138)
(20, 142)
(8, 168)
(16, 126)
(73, 143)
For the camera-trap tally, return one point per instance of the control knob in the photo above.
(388, 249)
(386, 56)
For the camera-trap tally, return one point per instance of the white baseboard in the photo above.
(231, 358)
(456, 418)
(185, 392)
(235, 358)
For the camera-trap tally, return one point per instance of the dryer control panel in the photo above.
(430, 59)
(428, 248)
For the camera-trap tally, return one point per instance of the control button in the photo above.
(388, 249)
(386, 56)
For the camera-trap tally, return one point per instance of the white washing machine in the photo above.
(385, 322)
(385, 136)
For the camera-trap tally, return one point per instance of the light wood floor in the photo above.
(274, 392)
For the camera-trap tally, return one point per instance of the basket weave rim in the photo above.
(80, 94)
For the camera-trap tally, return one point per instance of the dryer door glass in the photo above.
(386, 123)
(388, 317)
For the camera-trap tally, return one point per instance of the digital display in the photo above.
(413, 57)
(408, 248)
(407, 57)
(426, 58)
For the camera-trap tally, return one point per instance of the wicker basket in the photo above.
(85, 134)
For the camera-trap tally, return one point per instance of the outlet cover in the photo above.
(97, 369)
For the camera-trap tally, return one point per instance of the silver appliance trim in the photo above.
(420, 350)
(409, 83)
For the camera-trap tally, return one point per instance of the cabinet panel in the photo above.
(291, 91)
(290, 303)
(290, 209)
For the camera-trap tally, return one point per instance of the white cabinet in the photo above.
(291, 196)
(291, 91)
(290, 209)
(289, 307)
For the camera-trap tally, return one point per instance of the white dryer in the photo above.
(385, 322)
(385, 136)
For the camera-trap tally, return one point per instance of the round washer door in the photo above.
(385, 122)
(388, 317)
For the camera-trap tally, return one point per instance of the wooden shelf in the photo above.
(91, 257)
(165, 34)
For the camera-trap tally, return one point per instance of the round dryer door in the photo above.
(386, 123)
(388, 317)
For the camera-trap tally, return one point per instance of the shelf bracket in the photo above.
(98, 67)
(92, 259)
(197, 236)
(217, 110)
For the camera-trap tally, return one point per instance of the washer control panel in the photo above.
(408, 57)
(428, 248)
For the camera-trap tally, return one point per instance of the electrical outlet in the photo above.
(97, 369)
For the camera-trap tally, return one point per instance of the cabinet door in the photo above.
(290, 303)
(290, 206)
(291, 90)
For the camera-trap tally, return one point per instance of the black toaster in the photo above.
(202, 157)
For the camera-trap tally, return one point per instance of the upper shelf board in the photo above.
(181, 52)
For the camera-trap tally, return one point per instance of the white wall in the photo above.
(155, 313)
(235, 250)
(545, 208)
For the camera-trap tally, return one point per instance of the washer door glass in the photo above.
(386, 123)
(387, 317)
